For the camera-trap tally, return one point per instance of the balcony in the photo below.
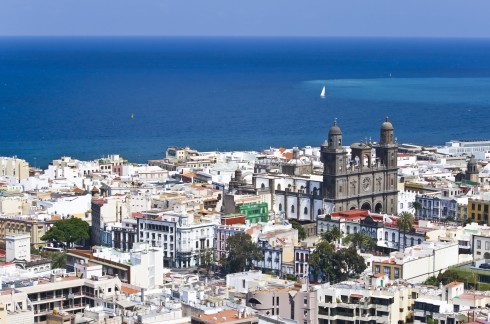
(47, 299)
(41, 312)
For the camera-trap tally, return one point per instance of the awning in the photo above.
(109, 265)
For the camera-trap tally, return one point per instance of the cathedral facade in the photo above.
(367, 179)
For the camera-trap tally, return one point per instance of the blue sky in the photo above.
(392, 18)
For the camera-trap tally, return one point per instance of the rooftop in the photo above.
(225, 316)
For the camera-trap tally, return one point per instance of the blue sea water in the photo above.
(75, 96)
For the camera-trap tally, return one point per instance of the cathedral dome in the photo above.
(387, 125)
(335, 130)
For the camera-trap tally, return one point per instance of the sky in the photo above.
(364, 18)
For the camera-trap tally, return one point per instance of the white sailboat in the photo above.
(323, 92)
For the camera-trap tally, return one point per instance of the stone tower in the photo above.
(333, 156)
(358, 181)
(472, 170)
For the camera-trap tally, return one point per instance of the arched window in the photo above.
(393, 237)
(355, 229)
(419, 241)
(262, 186)
(292, 208)
(278, 186)
(386, 236)
(348, 229)
(305, 211)
(319, 212)
(280, 207)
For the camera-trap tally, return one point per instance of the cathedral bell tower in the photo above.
(387, 149)
(334, 159)
(472, 170)
(387, 152)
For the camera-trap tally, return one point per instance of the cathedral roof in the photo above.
(335, 130)
(387, 125)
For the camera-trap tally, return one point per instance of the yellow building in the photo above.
(389, 268)
(478, 210)
(10, 225)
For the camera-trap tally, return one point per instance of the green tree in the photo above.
(405, 223)
(301, 230)
(58, 260)
(353, 263)
(450, 219)
(332, 235)
(335, 266)
(241, 252)
(457, 274)
(68, 231)
(207, 260)
(360, 240)
(321, 261)
(432, 281)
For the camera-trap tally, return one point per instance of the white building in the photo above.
(66, 205)
(419, 262)
(18, 247)
(146, 263)
(481, 245)
(351, 302)
(184, 241)
(479, 148)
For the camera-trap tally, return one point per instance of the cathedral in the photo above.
(360, 181)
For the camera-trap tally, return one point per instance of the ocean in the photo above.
(90, 97)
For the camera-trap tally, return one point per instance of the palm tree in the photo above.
(416, 206)
(360, 240)
(405, 223)
(332, 235)
(58, 260)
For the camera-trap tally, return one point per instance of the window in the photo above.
(305, 300)
(387, 271)
(487, 245)
(348, 229)
(376, 269)
(280, 207)
(478, 244)
(305, 211)
(393, 237)
(386, 236)
(292, 208)
(397, 273)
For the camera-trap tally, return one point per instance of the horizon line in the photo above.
(246, 36)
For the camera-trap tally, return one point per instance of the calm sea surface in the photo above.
(76, 96)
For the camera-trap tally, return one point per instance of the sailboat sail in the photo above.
(323, 92)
